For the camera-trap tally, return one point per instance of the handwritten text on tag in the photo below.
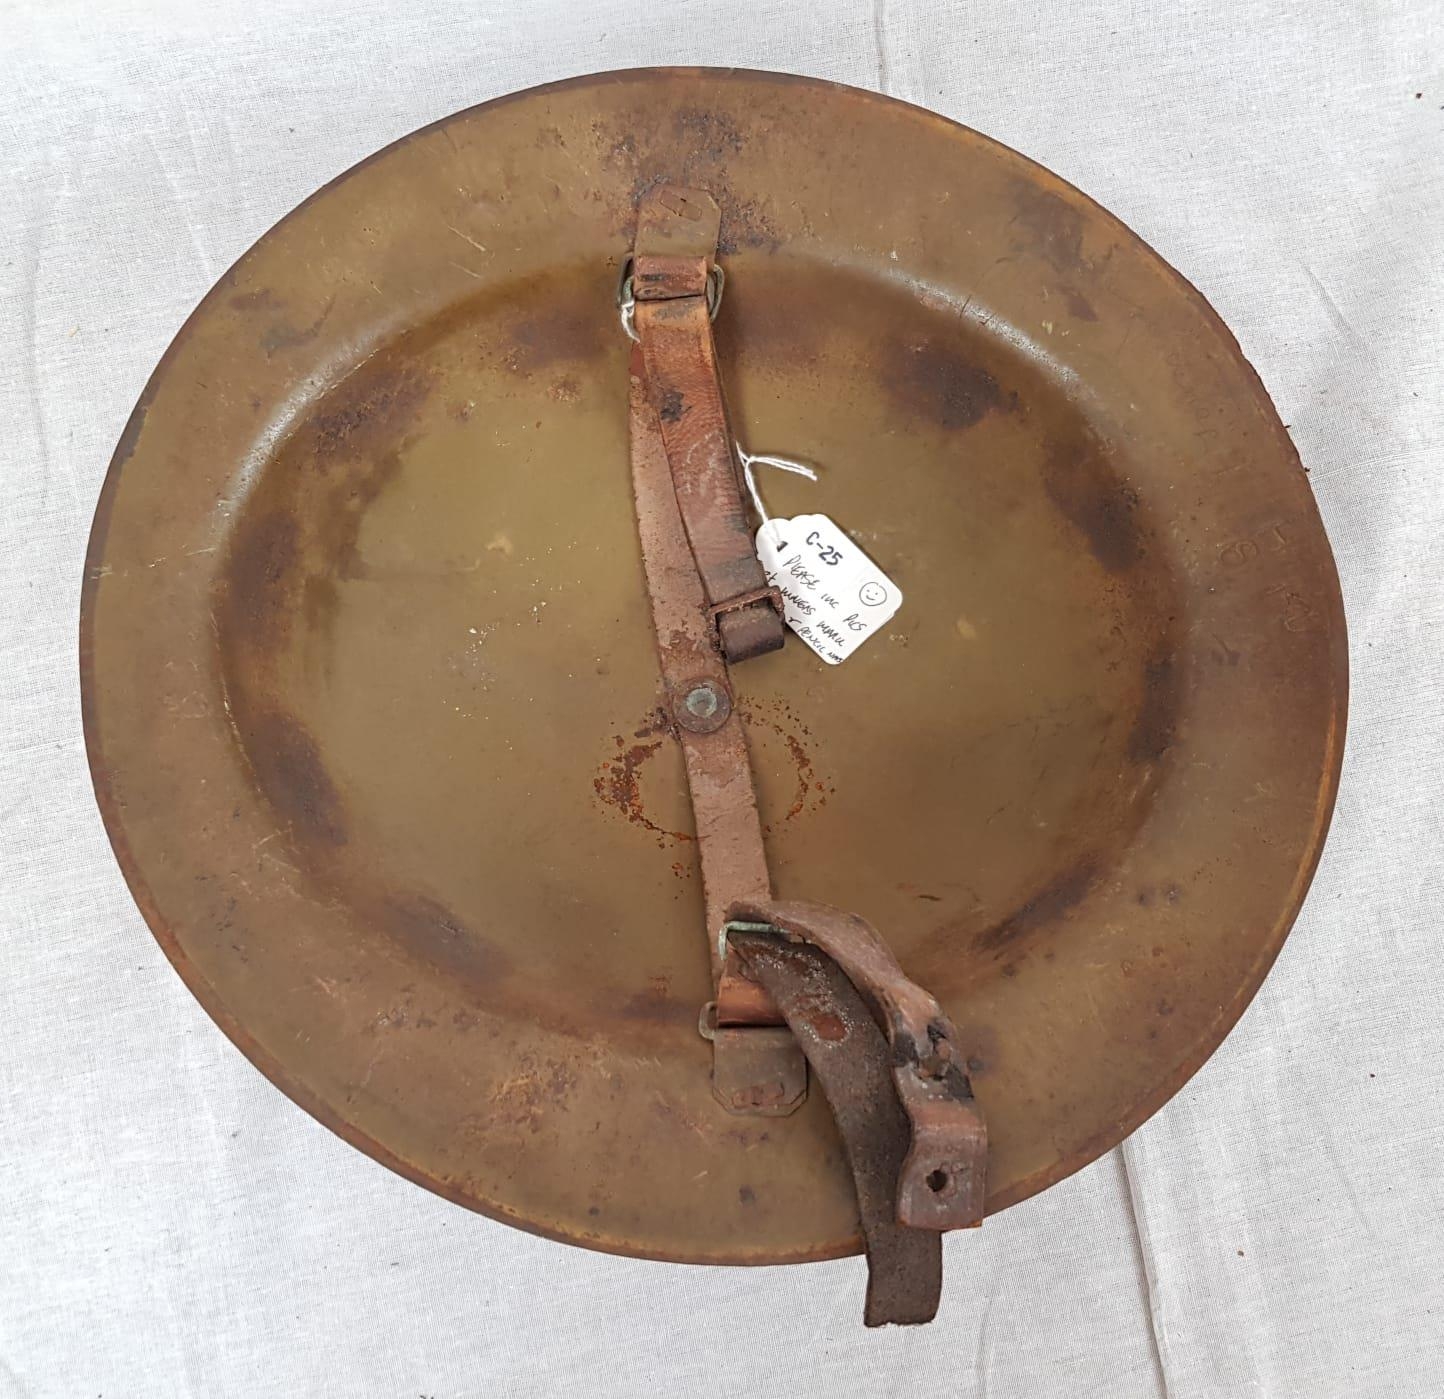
(833, 596)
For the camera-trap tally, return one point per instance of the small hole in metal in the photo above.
(937, 1181)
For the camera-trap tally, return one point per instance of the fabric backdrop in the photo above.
(171, 1225)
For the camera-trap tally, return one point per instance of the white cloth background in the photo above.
(171, 1225)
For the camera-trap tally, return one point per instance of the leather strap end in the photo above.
(750, 631)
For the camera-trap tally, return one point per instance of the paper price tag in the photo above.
(833, 596)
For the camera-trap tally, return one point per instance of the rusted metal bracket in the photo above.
(942, 1182)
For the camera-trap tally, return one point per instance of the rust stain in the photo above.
(341, 522)
(937, 381)
(289, 769)
(655, 724)
(526, 1097)
(656, 1006)
(828, 1026)
(433, 933)
(1047, 906)
(1153, 728)
(805, 783)
(265, 582)
(790, 731)
(366, 412)
(618, 785)
(258, 577)
(320, 599)
(562, 334)
(746, 224)
(696, 147)
(1079, 307)
(703, 131)
(1054, 227)
(709, 140)
(1090, 496)
(618, 157)
(775, 319)
(284, 336)
(263, 299)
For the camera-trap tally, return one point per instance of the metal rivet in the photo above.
(702, 702)
(703, 707)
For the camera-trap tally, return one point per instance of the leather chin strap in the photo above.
(849, 1055)
(672, 266)
(792, 979)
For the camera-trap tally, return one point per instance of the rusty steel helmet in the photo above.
(664, 852)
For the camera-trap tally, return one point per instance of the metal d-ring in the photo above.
(627, 300)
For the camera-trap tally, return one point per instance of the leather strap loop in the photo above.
(675, 249)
